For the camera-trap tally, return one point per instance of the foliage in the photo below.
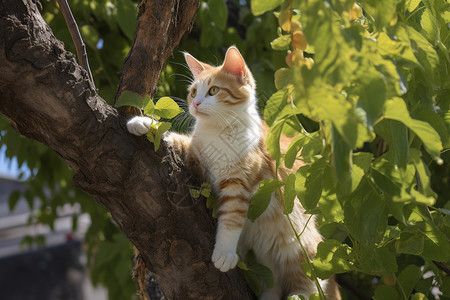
(255, 273)
(165, 108)
(364, 88)
(374, 76)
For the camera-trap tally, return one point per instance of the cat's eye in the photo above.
(194, 92)
(213, 90)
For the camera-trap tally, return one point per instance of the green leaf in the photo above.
(436, 245)
(314, 183)
(400, 143)
(13, 199)
(261, 6)
(366, 215)
(371, 89)
(289, 193)
(419, 296)
(430, 25)
(167, 108)
(194, 193)
(377, 261)
(342, 161)
(332, 258)
(294, 147)
(300, 179)
(281, 42)
(296, 297)
(261, 198)
(411, 5)
(315, 296)
(149, 106)
(283, 77)
(252, 281)
(219, 10)
(332, 106)
(361, 165)
(408, 278)
(127, 17)
(424, 52)
(410, 243)
(382, 11)
(396, 109)
(273, 140)
(275, 105)
(312, 147)
(162, 127)
(264, 272)
(445, 287)
(438, 124)
(241, 265)
(385, 292)
(423, 172)
(128, 98)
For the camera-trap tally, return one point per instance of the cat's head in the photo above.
(221, 94)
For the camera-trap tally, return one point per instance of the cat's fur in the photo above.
(227, 149)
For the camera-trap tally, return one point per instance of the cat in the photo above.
(227, 149)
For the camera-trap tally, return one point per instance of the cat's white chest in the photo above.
(221, 151)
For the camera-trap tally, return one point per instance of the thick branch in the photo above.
(161, 25)
(46, 96)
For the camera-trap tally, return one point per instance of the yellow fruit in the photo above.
(299, 40)
(284, 18)
(289, 58)
(295, 26)
(355, 12)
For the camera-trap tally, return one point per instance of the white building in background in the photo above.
(53, 272)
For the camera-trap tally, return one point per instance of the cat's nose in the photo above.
(196, 103)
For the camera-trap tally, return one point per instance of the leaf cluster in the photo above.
(373, 77)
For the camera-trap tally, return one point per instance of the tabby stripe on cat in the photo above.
(233, 219)
(239, 198)
(233, 95)
(233, 182)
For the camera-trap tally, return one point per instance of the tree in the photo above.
(46, 96)
(370, 144)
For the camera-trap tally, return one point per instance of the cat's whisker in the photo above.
(220, 115)
(189, 78)
(179, 64)
(184, 80)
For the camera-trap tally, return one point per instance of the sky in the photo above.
(9, 168)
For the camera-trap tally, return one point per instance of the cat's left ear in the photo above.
(234, 63)
(195, 66)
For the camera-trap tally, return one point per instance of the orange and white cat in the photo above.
(227, 149)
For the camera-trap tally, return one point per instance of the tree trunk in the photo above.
(46, 96)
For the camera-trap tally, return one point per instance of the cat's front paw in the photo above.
(224, 259)
(139, 125)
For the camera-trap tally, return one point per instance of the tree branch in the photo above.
(76, 37)
(161, 25)
(46, 96)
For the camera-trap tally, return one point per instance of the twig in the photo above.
(442, 267)
(76, 37)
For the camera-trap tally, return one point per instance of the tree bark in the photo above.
(46, 96)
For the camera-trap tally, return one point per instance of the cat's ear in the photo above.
(234, 63)
(195, 66)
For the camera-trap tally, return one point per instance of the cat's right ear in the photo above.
(195, 66)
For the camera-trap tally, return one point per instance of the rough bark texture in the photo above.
(46, 96)
(161, 25)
